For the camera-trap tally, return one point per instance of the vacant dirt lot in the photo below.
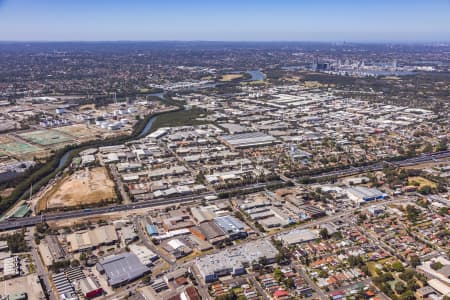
(230, 77)
(83, 187)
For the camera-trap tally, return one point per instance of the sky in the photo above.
(226, 20)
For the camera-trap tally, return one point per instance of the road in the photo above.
(119, 183)
(41, 270)
(310, 282)
(258, 287)
(145, 239)
(10, 224)
(424, 158)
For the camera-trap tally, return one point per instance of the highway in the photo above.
(424, 158)
(10, 224)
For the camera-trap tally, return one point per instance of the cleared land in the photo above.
(421, 182)
(29, 284)
(79, 131)
(45, 137)
(230, 77)
(81, 188)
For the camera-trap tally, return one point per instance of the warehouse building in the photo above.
(233, 261)
(121, 269)
(247, 140)
(232, 227)
(89, 288)
(298, 236)
(361, 194)
(209, 231)
(85, 240)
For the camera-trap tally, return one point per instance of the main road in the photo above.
(10, 224)
(424, 158)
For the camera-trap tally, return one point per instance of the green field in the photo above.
(46, 137)
(18, 148)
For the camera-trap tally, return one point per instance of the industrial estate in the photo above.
(167, 170)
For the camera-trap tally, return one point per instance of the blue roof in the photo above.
(151, 229)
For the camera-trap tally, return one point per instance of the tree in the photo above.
(324, 234)
(408, 295)
(399, 288)
(289, 282)
(436, 265)
(75, 263)
(412, 284)
(398, 266)
(415, 261)
(354, 261)
(277, 274)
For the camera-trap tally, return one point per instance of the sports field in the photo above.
(46, 137)
(17, 148)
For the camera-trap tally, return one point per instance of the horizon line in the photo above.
(234, 41)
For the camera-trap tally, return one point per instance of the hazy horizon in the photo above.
(368, 21)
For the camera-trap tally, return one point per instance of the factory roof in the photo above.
(122, 268)
(229, 224)
(298, 236)
(236, 257)
(92, 238)
(250, 139)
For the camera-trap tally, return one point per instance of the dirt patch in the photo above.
(85, 186)
(231, 77)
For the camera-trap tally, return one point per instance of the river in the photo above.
(256, 75)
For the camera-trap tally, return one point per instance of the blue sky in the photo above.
(228, 20)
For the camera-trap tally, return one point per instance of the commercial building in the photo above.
(233, 261)
(121, 269)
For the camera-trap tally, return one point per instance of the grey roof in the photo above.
(230, 224)
(235, 257)
(122, 268)
(248, 139)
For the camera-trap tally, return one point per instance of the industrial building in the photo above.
(246, 140)
(233, 261)
(145, 255)
(361, 194)
(11, 267)
(234, 228)
(104, 235)
(298, 236)
(122, 268)
(209, 231)
(89, 288)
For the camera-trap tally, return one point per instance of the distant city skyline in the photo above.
(232, 20)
